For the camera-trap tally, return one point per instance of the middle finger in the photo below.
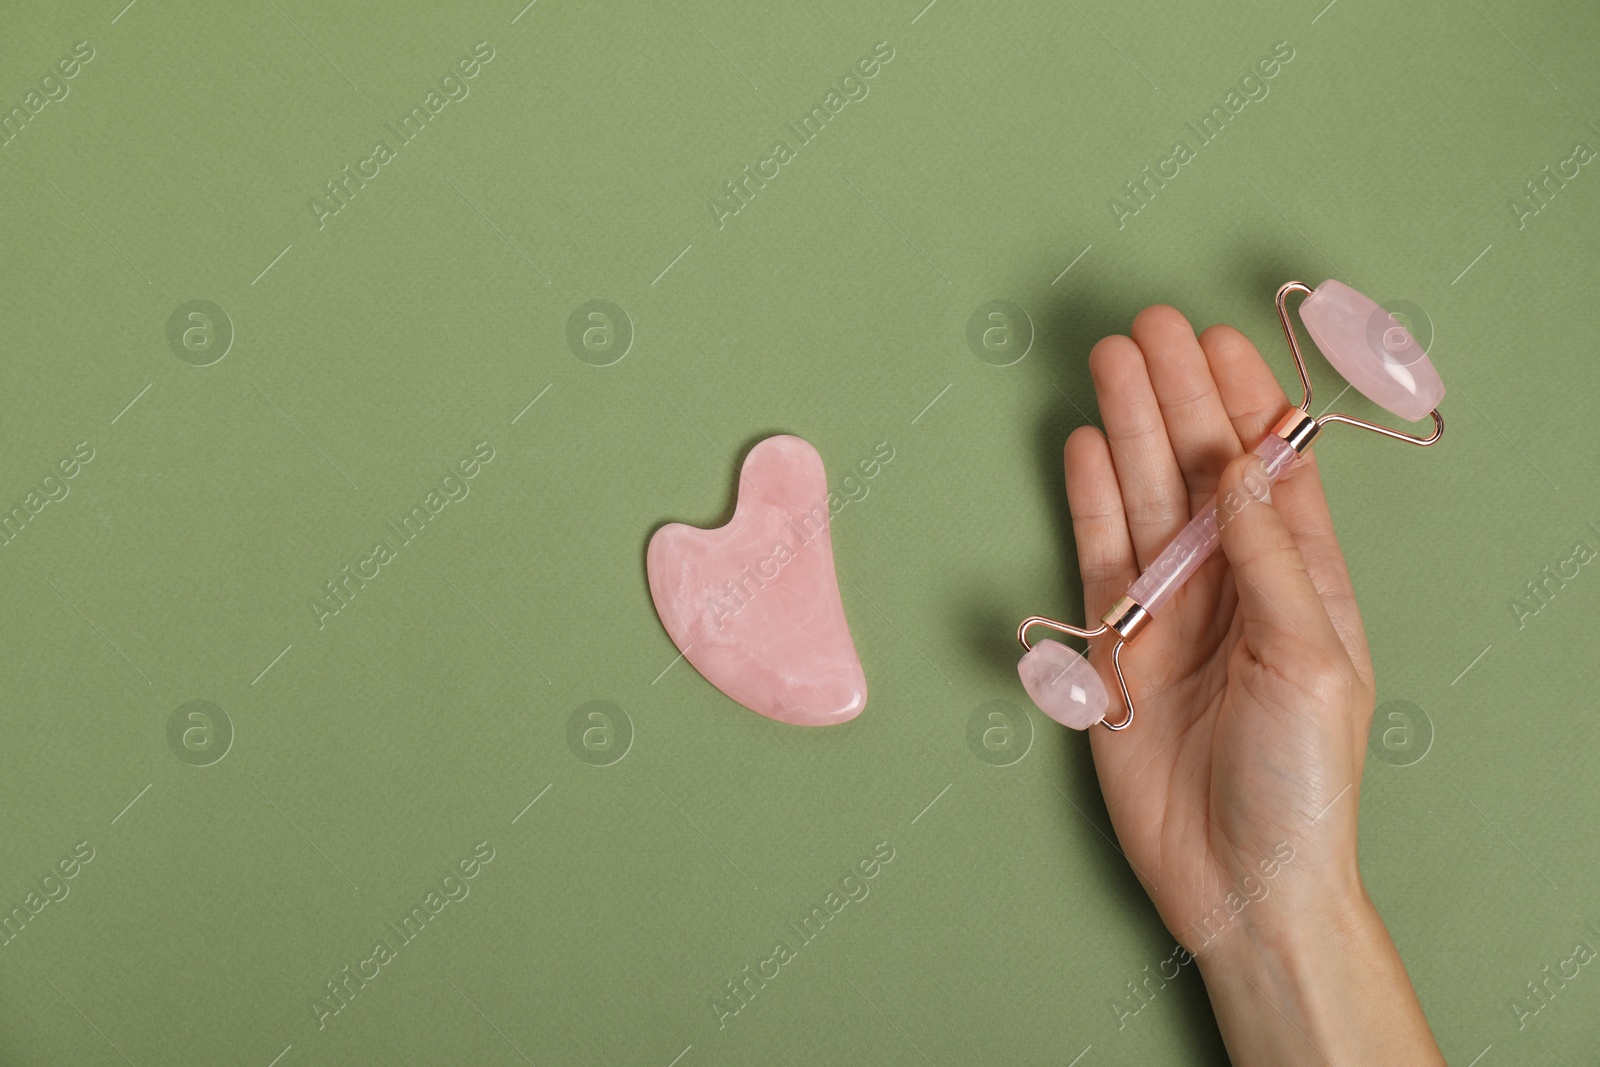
(1197, 424)
(1154, 496)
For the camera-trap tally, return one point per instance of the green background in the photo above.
(371, 355)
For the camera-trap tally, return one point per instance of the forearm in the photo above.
(1325, 988)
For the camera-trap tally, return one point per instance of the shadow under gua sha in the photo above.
(754, 605)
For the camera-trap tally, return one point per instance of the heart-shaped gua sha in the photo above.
(754, 605)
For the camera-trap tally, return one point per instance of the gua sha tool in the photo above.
(1377, 355)
(754, 605)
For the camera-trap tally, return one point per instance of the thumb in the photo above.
(1276, 594)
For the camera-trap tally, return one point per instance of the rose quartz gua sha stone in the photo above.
(754, 605)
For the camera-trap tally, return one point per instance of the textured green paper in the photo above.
(648, 848)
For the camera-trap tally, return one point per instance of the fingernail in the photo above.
(1256, 482)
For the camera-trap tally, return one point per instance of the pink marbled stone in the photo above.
(1064, 685)
(754, 605)
(1372, 350)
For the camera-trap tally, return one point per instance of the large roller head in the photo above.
(1373, 351)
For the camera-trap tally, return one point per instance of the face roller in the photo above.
(1377, 355)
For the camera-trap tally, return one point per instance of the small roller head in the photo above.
(1064, 685)
(1373, 351)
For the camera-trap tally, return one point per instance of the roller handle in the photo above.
(1195, 543)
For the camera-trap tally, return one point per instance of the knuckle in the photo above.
(1147, 512)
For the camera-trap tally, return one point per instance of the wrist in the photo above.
(1316, 980)
(1284, 951)
(1307, 914)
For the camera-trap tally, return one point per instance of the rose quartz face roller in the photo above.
(1377, 355)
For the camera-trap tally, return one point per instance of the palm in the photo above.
(1238, 746)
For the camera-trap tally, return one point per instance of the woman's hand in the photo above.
(1235, 791)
